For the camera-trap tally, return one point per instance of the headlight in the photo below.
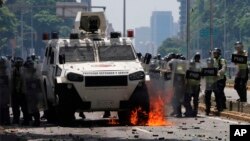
(58, 71)
(74, 77)
(137, 75)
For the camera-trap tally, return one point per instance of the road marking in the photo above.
(142, 130)
(217, 118)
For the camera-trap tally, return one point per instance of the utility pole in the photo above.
(32, 32)
(188, 27)
(225, 32)
(211, 25)
(22, 33)
(124, 18)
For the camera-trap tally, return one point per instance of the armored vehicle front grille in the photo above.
(102, 81)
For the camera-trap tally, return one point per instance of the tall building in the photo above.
(109, 29)
(176, 29)
(161, 27)
(142, 40)
(183, 17)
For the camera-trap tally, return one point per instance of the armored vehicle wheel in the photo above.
(139, 105)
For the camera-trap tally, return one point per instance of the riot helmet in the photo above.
(158, 57)
(197, 57)
(18, 61)
(216, 52)
(238, 45)
(172, 55)
(29, 64)
(178, 56)
(33, 56)
(3, 62)
(182, 57)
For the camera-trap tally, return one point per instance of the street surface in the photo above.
(94, 128)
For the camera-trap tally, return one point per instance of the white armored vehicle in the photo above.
(93, 72)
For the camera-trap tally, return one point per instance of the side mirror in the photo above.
(147, 58)
(139, 55)
(61, 59)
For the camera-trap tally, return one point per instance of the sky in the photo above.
(138, 11)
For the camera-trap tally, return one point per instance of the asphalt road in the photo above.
(94, 128)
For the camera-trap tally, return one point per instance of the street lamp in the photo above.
(124, 18)
(211, 25)
(188, 27)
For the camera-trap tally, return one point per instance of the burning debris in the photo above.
(113, 121)
(156, 116)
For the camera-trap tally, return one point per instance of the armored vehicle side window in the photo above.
(78, 54)
(52, 58)
(46, 52)
(116, 53)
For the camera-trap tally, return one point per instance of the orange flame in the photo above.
(157, 112)
(156, 116)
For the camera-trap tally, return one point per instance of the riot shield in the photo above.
(5, 90)
(179, 68)
(4, 82)
(209, 75)
(193, 77)
(33, 87)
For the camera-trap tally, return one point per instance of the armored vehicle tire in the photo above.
(139, 103)
(65, 108)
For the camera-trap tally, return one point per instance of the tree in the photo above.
(42, 13)
(174, 45)
(8, 28)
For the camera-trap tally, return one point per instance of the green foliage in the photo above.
(42, 13)
(174, 45)
(231, 21)
(8, 26)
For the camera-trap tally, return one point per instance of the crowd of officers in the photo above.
(185, 77)
(19, 88)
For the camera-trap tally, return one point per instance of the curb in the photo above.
(228, 114)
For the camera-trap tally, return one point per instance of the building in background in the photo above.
(109, 29)
(176, 29)
(162, 26)
(183, 17)
(143, 40)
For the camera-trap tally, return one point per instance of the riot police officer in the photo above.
(193, 86)
(18, 97)
(178, 68)
(210, 86)
(220, 64)
(4, 91)
(240, 82)
(32, 89)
